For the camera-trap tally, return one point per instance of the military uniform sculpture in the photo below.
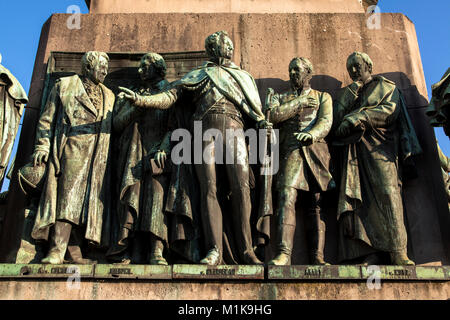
(222, 95)
(73, 139)
(159, 211)
(305, 117)
(375, 136)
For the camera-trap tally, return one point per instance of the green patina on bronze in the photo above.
(46, 271)
(133, 271)
(73, 143)
(374, 137)
(218, 272)
(314, 272)
(304, 117)
(439, 108)
(143, 137)
(222, 96)
(12, 102)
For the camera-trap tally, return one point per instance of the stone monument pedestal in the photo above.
(200, 282)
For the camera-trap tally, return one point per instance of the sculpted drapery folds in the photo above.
(304, 117)
(223, 96)
(143, 135)
(375, 137)
(439, 107)
(73, 139)
(12, 101)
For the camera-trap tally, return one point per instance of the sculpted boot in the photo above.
(316, 237)
(212, 258)
(400, 258)
(74, 249)
(285, 241)
(59, 239)
(251, 259)
(156, 253)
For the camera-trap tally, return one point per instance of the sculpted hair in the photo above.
(305, 62)
(213, 41)
(157, 61)
(90, 58)
(364, 56)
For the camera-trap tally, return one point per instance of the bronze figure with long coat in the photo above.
(73, 138)
(143, 135)
(12, 101)
(304, 117)
(375, 137)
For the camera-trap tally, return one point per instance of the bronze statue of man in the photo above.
(222, 95)
(144, 135)
(73, 139)
(375, 136)
(12, 101)
(304, 116)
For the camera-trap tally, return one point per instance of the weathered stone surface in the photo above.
(265, 43)
(222, 6)
(222, 272)
(229, 290)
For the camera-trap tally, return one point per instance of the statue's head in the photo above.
(300, 72)
(0, 58)
(95, 66)
(359, 66)
(152, 66)
(219, 45)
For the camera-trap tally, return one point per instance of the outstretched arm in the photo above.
(163, 100)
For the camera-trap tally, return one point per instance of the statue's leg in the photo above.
(316, 230)
(238, 176)
(74, 247)
(211, 213)
(59, 240)
(286, 223)
(156, 251)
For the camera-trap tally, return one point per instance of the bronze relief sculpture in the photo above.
(222, 96)
(304, 116)
(438, 109)
(375, 136)
(158, 210)
(12, 102)
(73, 140)
(143, 135)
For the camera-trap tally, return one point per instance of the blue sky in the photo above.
(22, 22)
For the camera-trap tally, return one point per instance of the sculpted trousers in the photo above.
(286, 222)
(64, 237)
(237, 172)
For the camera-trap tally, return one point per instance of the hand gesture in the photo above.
(303, 137)
(127, 94)
(39, 157)
(160, 159)
(310, 102)
(356, 86)
(343, 129)
(264, 124)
